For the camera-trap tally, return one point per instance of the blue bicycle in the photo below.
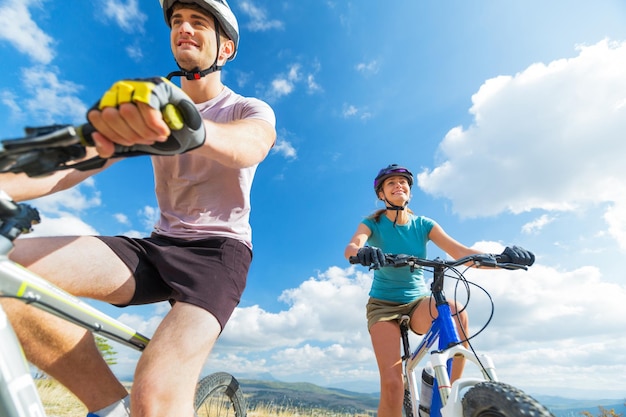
(465, 397)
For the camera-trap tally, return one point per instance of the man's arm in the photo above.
(22, 187)
(238, 144)
(132, 113)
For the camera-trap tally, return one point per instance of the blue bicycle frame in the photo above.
(444, 331)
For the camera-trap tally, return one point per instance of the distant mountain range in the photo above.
(306, 396)
(567, 407)
(270, 392)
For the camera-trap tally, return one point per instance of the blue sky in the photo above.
(511, 114)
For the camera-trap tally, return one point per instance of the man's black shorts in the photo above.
(209, 273)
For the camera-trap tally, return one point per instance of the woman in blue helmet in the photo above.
(398, 292)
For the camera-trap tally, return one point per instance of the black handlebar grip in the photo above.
(353, 260)
(85, 131)
(8, 208)
(503, 259)
(171, 146)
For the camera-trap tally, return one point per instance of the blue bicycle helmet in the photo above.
(390, 171)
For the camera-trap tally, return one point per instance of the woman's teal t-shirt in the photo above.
(399, 284)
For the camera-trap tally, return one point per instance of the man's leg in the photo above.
(83, 266)
(169, 368)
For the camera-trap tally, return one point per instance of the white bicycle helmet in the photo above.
(217, 8)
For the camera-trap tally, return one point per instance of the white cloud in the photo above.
(281, 87)
(258, 18)
(60, 211)
(285, 149)
(324, 323)
(337, 290)
(63, 224)
(368, 68)
(79, 198)
(349, 110)
(125, 14)
(546, 322)
(549, 323)
(9, 99)
(352, 111)
(243, 78)
(150, 215)
(537, 224)
(50, 99)
(548, 138)
(134, 52)
(286, 83)
(18, 28)
(615, 217)
(312, 85)
(121, 218)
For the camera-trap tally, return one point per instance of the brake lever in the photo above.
(512, 267)
(486, 260)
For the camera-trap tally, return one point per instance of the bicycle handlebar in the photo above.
(478, 259)
(47, 149)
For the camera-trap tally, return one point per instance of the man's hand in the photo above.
(145, 116)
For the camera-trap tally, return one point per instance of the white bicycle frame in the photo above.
(17, 389)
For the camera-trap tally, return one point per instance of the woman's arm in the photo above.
(358, 240)
(450, 246)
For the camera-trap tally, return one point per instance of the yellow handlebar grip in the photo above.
(172, 117)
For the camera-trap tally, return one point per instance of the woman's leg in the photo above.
(385, 337)
(421, 320)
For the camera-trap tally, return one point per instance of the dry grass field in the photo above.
(59, 402)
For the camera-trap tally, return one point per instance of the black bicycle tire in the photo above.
(497, 399)
(407, 404)
(218, 395)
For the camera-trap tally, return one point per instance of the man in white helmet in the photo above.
(198, 256)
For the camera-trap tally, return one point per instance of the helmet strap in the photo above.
(196, 73)
(397, 209)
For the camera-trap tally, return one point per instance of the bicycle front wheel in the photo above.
(496, 399)
(219, 395)
(407, 404)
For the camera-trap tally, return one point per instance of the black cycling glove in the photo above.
(517, 255)
(179, 112)
(371, 256)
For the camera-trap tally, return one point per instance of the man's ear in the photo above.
(227, 49)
